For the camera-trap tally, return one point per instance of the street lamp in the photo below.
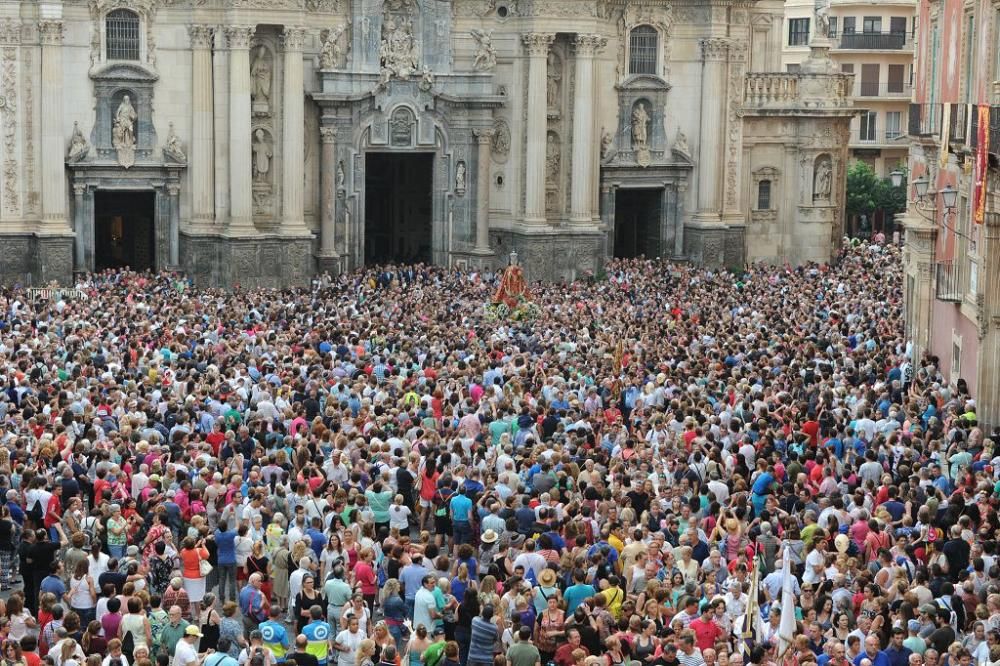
(920, 185)
(949, 196)
(896, 177)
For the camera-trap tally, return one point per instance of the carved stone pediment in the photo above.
(124, 72)
(644, 82)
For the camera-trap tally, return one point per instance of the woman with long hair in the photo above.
(81, 594)
(191, 555)
(134, 629)
(468, 610)
(366, 653)
(11, 652)
(93, 640)
(20, 619)
(258, 562)
(209, 620)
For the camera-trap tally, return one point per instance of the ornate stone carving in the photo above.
(293, 38)
(238, 36)
(398, 49)
(501, 140)
(558, 8)
(173, 149)
(78, 146)
(10, 32)
(822, 12)
(201, 36)
(681, 144)
(484, 135)
(553, 165)
(8, 125)
(34, 199)
(267, 4)
(714, 48)
(332, 6)
(734, 119)
(50, 32)
(537, 43)
(123, 132)
(460, 175)
(401, 127)
(332, 54)
(658, 16)
(263, 151)
(486, 53)
(589, 45)
(607, 145)
(640, 133)
(426, 80)
(328, 134)
(341, 177)
(822, 178)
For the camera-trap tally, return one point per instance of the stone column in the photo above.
(240, 169)
(80, 229)
(202, 125)
(292, 133)
(581, 198)
(537, 47)
(174, 230)
(53, 148)
(328, 194)
(710, 163)
(484, 139)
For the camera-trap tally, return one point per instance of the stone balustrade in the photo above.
(778, 90)
(764, 89)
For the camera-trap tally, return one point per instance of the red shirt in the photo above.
(705, 633)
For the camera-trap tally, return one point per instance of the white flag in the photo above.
(786, 630)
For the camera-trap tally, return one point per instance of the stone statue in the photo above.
(607, 141)
(822, 181)
(123, 132)
(341, 178)
(173, 149)
(261, 155)
(460, 177)
(486, 53)
(822, 11)
(329, 57)
(554, 74)
(681, 144)
(397, 52)
(426, 79)
(640, 126)
(78, 146)
(260, 77)
(552, 160)
(501, 139)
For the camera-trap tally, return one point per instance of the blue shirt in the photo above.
(54, 585)
(880, 659)
(461, 508)
(226, 547)
(575, 594)
(412, 576)
(252, 600)
(275, 639)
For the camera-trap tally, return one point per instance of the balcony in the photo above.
(924, 120)
(765, 92)
(952, 280)
(894, 90)
(993, 138)
(886, 139)
(876, 41)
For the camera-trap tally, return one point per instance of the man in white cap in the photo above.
(186, 652)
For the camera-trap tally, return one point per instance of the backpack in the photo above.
(37, 512)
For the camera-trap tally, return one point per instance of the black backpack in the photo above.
(37, 512)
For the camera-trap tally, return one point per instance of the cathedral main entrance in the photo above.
(637, 223)
(124, 230)
(398, 207)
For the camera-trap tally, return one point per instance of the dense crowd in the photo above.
(670, 466)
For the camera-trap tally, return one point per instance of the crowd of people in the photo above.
(377, 471)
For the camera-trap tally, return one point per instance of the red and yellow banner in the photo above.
(982, 163)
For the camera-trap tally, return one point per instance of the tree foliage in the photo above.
(867, 193)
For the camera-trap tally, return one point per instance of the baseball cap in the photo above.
(192, 630)
(913, 625)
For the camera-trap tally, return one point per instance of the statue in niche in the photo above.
(173, 149)
(554, 75)
(681, 144)
(260, 79)
(822, 180)
(341, 178)
(330, 56)
(607, 144)
(460, 178)
(78, 146)
(486, 53)
(123, 132)
(501, 138)
(640, 127)
(262, 155)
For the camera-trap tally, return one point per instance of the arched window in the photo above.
(644, 43)
(121, 34)
(764, 195)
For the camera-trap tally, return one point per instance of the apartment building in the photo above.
(873, 40)
(952, 220)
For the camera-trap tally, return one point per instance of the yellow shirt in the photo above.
(616, 543)
(614, 598)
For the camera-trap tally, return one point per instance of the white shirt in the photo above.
(352, 642)
(184, 654)
(814, 559)
(424, 603)
(398, 516)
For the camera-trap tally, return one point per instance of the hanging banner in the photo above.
(982, 163)
(945, 134)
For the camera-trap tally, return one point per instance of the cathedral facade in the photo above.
(258, 142)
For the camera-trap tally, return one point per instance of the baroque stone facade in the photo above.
(267, 136)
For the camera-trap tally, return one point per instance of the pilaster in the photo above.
(536, 45)
(240, 200)
(202, 126)
(714, 52)
(328, 195)
(583, 178)
(484, 139)
(53, 162)
(292, 132)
